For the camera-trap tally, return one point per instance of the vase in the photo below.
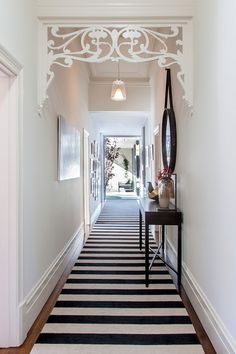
(164, 189)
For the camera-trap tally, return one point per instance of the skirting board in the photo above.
(216, 330)
(38, 296)
(214, 327)
(96, 214)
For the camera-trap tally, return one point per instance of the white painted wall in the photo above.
(18, 35)
(205, 165)
(52, 211)
(206, 171)
(138, 98)
(157, 83)
(56, 208)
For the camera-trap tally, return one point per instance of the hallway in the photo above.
(104, 304)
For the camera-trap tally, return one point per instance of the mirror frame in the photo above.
(169, 114)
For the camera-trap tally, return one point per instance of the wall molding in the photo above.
(91, 8)
(9, 62)
(12, 239)
(93, 43)
(37, 297)
(220, 337)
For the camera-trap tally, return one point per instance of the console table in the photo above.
(150, 213)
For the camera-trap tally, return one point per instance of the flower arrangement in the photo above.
(164, 174)
(165, 186)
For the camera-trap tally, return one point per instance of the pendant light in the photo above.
(118, 92)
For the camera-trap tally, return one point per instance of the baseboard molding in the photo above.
(35, 300)
(96, 214)
(213, 325)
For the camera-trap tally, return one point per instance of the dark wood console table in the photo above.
(151, 215)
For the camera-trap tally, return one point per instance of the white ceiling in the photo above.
(109, 70)
(120, 123)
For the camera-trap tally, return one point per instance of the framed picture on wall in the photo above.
(147, 156)
(68, 150)
(94, 149)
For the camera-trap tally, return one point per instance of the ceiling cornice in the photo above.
(113, 9)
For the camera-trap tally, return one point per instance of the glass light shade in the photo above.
(118, 92)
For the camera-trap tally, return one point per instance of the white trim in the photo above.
(51, 52)
(13, 240)
(35, 300)
(96, 213)
(220, 337)
(42, 65)
(86, 180)
(9, 62)
(72, 8)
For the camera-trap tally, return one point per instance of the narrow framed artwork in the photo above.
(68, 150)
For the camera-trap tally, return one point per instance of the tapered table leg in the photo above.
(179, 255)
(163, 240)
(146, 253)
(140, 230)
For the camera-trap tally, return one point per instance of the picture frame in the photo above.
(147, 156)
(94, 177)
(94, 149)
(68, 142)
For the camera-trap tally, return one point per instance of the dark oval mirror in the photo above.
(169, 139)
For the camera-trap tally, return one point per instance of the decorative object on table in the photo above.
(152, 192)
(169, 135)
(165, 187)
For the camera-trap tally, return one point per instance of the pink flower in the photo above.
(164, 174)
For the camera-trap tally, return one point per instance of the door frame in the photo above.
(87, 217)
(12, 240)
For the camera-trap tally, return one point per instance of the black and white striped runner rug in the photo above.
(105, 308)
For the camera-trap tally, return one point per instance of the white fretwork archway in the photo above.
(62, 44)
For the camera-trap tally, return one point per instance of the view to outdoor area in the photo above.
(122, 167)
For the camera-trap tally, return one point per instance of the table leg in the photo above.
(140, 230)
(179, 253)
(146, 253)
(163, 241)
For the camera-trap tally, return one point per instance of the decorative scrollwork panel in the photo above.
(97, 43)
